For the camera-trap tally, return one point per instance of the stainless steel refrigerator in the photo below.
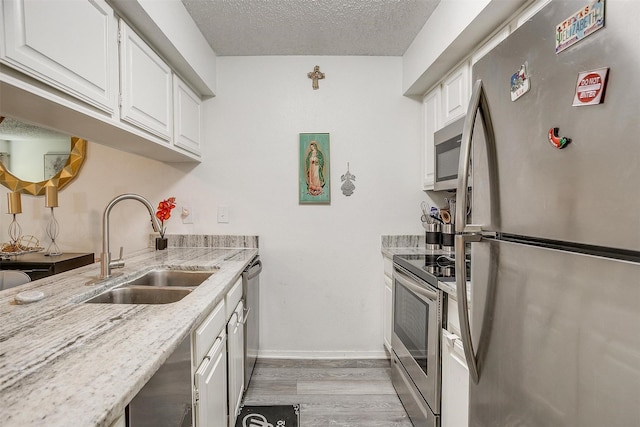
(554, 233)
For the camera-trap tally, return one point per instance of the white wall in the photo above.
(322, 279)
(106, 173)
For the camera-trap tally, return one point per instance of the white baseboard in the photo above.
(283, 354)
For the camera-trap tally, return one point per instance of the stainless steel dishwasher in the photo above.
(251, 292)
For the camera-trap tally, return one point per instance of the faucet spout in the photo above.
(106, 264)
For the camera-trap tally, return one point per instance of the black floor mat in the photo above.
(269, 416)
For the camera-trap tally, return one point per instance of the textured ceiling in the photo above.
(310, 27)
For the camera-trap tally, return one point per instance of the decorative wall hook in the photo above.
(315, 75)
(348, 186)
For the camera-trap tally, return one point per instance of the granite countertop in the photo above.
(66, 363)
(415, 245)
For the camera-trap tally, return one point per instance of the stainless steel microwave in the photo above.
(447, 143)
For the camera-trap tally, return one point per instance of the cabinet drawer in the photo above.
(205, 335)
(233, 297)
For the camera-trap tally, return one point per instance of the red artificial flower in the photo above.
(164, 212)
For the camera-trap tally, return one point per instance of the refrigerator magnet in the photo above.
(520, 83)
(590, 87)
(579, 25)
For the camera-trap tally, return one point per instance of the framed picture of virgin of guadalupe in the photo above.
(313, 175)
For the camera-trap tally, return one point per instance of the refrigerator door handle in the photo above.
(468, 233)
(463, 304)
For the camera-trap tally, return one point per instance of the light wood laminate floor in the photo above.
(344, 393)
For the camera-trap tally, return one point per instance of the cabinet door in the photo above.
(431, 106)
(70, 45)
(210, 400)
(235, 361)
(388, 312)
(455, 383)
(455, 94)
(187, 117)
(147, 86)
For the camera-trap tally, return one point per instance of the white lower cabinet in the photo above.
(218, 363)
(210, 400)
(235, 361)
(209, 364)
(388, 312)
(387, 298)
(455, 383)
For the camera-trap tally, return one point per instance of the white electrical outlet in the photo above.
(187, 215)
(223, 214)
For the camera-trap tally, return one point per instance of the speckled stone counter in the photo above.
(65, 363)
(403, 245)
(415, 245)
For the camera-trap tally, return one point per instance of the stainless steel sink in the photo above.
(166, 277)
(140, 295)
(160, 286)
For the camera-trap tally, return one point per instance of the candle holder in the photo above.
(53, 228)
(14, 208)
(15, 232)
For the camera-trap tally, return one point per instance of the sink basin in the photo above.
(166, 277)
(160, 286)
(140, 295)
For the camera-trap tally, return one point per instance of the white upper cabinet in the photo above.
(431, 109)
(455, 94)
(70, 45)
(489, 45)
(147, 86)
(187, 114)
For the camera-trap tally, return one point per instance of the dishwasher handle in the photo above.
(249, 272)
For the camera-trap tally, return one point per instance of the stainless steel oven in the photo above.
(416, 369)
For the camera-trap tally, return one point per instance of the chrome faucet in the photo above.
(106, 264)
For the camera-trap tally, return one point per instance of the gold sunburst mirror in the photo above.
(32, 158)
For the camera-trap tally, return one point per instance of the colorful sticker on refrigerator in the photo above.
(520, 83)
(590, 87)
(581, 24)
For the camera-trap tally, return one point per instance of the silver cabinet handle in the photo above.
(471, 233)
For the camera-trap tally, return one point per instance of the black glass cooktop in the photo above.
(430, 267)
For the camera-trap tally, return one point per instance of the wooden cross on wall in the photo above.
(315, 75)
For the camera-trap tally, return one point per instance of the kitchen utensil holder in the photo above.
(433, 236)
(448, 237)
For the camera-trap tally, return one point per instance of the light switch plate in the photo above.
(223, 214)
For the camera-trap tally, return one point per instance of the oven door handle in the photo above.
(410, 284)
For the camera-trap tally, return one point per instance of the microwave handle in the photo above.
(468, 233)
